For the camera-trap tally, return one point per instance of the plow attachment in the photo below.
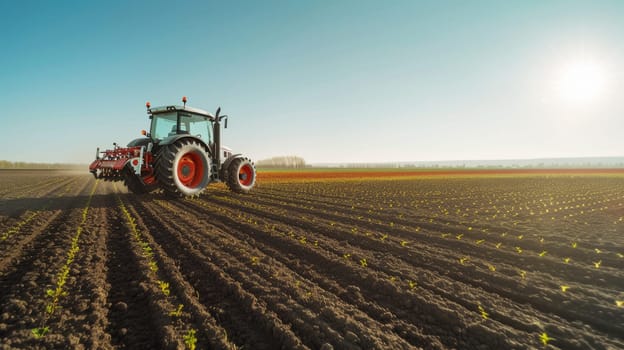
(112, 162)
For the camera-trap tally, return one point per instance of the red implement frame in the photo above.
(110, 164)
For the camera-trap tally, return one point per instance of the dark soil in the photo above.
(464, 262)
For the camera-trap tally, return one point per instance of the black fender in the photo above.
(172, 139)
(143, 141)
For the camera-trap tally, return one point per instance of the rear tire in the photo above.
(241, 175)
(183, 168)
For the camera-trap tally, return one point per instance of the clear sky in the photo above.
(331, 81)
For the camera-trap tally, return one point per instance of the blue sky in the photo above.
(331, 81)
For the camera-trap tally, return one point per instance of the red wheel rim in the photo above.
(190, 169)
(245, 175)
(149, 179)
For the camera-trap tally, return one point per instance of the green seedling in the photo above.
(544, 338)
(566, 260)
(484, 314)
(147, 250)
(177, 312)
(565, 288)
(480, 241)
(363, 262)
(190, 340)
(164, 287)
(574, 244)
(40, 332)
(619, 303)
(459, 236)
(543, 253)
(463, 260)
(597, 264)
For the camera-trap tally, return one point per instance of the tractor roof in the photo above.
(166, 109)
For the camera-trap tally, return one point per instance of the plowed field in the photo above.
(472, 261)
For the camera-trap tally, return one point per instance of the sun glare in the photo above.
(581, 82)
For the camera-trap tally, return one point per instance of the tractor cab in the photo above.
(171, 121)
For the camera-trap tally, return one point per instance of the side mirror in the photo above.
(218, 111)
(226, 119)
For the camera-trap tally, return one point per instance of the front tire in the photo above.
(241, 175)
(135, 184)
(183, 168)
(132, 181)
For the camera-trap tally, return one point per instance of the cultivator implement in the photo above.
(112, 163)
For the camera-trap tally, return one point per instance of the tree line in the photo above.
(5, 164)
(282, 162)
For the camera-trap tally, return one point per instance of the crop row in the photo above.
(29, 215)
(59, 290)
(176, 309)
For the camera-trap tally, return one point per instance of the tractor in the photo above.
(181, 155)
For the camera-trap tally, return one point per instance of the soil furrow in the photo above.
(82, 312)
(392, 297)
(130, 322)
(531, 259)
(211, 334)
(515, 291)
(235, 309)
(287, 294)
(34, 267)
(13, 249)
(465, 262)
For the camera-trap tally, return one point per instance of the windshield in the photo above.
(166, 124)
(163, 125)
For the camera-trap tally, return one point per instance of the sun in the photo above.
(581, 82)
